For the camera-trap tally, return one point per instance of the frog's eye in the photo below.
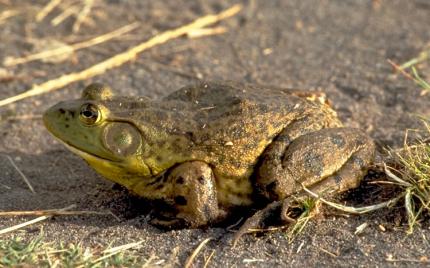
(121, 138)
(89, 114)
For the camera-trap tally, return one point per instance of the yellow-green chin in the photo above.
(112, 170)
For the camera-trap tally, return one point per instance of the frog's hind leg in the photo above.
(335, 158)
(332, 159)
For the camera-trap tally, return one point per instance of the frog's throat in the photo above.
(110, 169)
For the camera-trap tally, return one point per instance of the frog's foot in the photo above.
(277, 211)
(193, 196)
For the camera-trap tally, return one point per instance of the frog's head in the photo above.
(90, 127)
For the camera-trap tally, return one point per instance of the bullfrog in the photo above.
(210, 148)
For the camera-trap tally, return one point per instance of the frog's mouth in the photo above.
(87, 156)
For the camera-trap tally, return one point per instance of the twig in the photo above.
(8, 14)
(195, 252)
(82, 15)
(206, 31)
(209, 258)
(121, 58)
(265, 230)
(391, 259)
(354, 210)
(113, 251)
(47, 9)
(24, 117)
(401, 70)
(24, 224)
(51, 212)
(21, 173)
(416, 77)
(71, 48)
(64, 15)
(27, 223)
(328, 252)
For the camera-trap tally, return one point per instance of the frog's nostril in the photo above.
(62, 111)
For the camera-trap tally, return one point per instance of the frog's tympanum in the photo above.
(205, 150)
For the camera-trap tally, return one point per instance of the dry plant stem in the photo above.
(206, 31)
(64, 15)
(8, 14)
(47, 9)
(209, 258)
(50, 212)
(122, 58)
(67, 49)
(21, 174)
(88, 4)
(24, 224)
(416, 78)
(113, 251)
(400, 69)
(195, 252)
(354, 210)
(27, 223)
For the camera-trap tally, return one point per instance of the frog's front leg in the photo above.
(331, 159)
(193, 199)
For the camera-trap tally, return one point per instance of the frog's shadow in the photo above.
(366, 194)
(60, 179)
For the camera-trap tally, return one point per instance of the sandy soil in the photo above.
(337, 46)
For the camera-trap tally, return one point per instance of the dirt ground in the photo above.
(340, 47)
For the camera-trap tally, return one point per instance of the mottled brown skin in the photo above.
(209, 148)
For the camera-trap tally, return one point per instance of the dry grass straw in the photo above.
(24, 178)
(107, 253)
(33, 221)
(193, 255)
(83, 14)
(71, 48)
(67, 12)
(47, 9)
(197, 33)
(51, 212)
(8, 14)
(354, 210)
(122, 58)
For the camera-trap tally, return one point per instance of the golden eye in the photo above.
(89, 114)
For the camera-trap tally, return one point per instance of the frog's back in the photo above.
(231, 124)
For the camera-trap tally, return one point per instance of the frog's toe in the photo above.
(168, 223)
(274, 212)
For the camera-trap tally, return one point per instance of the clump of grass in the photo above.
(411, 164)
(419, 81)
(15, 252)
(415, 77)
(37, 253)
(308, 207)
(411, 171)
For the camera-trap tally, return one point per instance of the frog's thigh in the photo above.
(194, 193)
(335, 158)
